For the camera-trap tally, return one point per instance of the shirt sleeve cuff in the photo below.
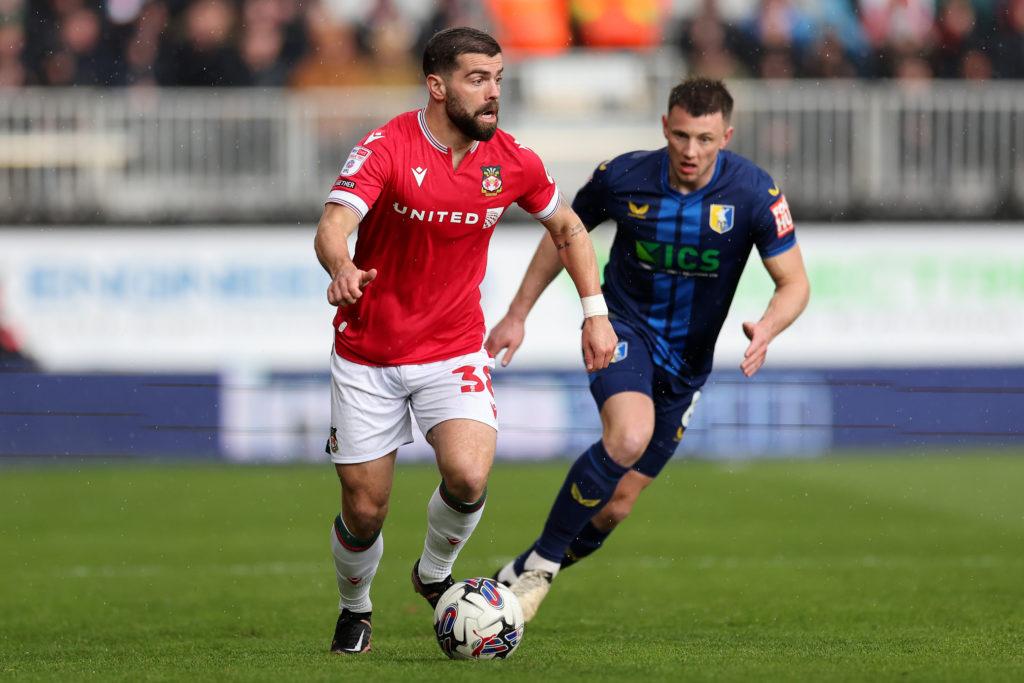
(549, 210)
(352, 201)
(781, 249)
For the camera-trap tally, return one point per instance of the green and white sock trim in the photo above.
(348, 540)
(458, 505)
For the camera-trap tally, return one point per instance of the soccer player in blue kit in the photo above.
(687, 217)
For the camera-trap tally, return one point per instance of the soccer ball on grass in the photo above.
(478, 619)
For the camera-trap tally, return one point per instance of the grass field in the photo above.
(847, 568)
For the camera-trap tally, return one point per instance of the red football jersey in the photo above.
(425, 227)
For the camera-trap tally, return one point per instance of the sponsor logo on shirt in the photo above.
(783, 218)
(638, 211)
(677, 258)
(492, 216)
(434, 216)
(490, 186)
(720, 217)
(375, 135)
(350, 184)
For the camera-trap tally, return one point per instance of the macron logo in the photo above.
(375, 135)
(419, 174)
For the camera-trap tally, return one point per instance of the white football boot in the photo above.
(531, 587)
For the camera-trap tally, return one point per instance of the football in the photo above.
(478, 619)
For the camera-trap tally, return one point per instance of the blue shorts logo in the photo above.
(621, 351)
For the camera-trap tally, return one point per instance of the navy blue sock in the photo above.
(589, 540)
(588, 485)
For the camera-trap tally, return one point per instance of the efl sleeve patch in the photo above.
(356, 158)
(783, 218)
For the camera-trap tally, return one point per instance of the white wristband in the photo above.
(594, 305)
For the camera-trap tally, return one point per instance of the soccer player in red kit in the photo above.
(426, 191)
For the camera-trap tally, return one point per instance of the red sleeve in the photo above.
(540, 193)
(363, 175)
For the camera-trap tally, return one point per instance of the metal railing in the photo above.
(839, 149)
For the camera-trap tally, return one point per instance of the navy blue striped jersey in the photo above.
(677, 258)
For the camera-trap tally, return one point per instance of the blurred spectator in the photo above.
(389, 38)
(333, 58)
(954, 33)
(12, 44)
(776, 63)
(449, 13)
(142, 45)
(908, 64)
(79, 55)
(201, 51)
(393, 62)
(272, 43)
(1009, 39)
(780, 24)
(827, 58)
(710, 44)
(284, 18)
(779, 33)
(838, 18)
(262, 46)
(975, 65)
(903, 22)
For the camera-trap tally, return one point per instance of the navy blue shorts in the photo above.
(632, 369)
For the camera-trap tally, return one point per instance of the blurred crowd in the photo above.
(315, 43)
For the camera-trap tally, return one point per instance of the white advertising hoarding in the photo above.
(206, 299)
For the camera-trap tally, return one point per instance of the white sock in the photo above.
(535, 561)
(355, 567)
(450, 523)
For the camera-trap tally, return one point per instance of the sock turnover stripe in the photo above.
(603, 463)
(458, 505)
(350, 542)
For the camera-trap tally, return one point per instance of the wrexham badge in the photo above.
(491, 185)
(332, 441)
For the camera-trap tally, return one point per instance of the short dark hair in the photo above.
(443, 49)
(701, 96)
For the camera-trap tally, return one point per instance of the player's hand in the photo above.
(507, 335)
(599, 342)
(348, 284)
(757, 351)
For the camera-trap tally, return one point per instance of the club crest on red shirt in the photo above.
(491, 184)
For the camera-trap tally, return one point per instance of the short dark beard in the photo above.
(467, 123)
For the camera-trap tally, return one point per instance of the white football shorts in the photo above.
(370, 405)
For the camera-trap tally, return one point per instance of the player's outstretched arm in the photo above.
(792, 291)
(576, 252)
(331, 245)
(508, 334)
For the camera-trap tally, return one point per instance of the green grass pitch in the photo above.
(844, 568)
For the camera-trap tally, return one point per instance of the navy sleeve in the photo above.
(774, 232)
(591, 202)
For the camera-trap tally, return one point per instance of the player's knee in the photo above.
(627, 445)
(467, 486)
